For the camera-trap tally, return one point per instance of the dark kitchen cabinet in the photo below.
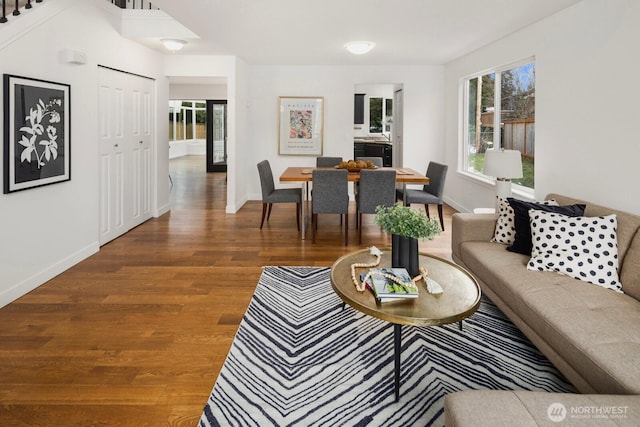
(358, 109)
(373, 149)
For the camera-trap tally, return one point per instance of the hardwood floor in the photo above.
(136, 334)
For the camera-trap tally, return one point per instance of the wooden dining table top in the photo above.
(304, 174)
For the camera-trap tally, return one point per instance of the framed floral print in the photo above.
(301, 125)
(37, 133)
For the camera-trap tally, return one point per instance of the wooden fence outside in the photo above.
(520, 135)
(201, 131)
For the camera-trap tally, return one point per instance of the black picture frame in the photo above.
(37, 133)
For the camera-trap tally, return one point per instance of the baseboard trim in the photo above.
(20, 289)
(232, 209)
(454, 205)
(162, 210)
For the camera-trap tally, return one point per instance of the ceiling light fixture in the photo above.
(359, 47)
(173, 45)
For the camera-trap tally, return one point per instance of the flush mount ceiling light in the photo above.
(173, 45)
(359, 47)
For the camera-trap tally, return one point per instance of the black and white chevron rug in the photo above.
(299, 359)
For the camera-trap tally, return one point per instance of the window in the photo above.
(375, 115)
(500, 113)
(380, 113)
(182, 125)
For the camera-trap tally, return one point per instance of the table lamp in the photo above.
(503, 165)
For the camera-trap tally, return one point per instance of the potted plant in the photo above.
(406, 226)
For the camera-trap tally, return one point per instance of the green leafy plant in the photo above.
(404, 221)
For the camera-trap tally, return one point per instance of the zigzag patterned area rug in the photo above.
(300, 359)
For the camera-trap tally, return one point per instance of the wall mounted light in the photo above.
(359, 47)
(173, 45)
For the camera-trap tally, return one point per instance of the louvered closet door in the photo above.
(126, 135)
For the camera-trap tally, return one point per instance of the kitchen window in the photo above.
(380, 115)
(499, 112)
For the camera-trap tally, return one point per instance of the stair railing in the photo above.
(129, 4)
(16, 10)
(27, 4)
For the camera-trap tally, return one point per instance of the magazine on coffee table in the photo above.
(385, 289)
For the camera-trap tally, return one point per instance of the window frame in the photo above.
(463, 143)
(180, 113)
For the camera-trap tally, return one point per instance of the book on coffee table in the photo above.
(385, 289)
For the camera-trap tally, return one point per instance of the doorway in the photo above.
(378, 122)
(216, 136)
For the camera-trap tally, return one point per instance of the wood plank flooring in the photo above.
(136, 334)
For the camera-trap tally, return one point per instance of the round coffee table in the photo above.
(460, 299)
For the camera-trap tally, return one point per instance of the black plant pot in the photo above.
(404, 254)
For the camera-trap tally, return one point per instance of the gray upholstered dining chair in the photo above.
(377, 161)
(327, 162)
(376, 188)
(431, 194)
(330, 195)
(271, 195)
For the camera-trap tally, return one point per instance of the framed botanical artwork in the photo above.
(37, 133)
(301, 124)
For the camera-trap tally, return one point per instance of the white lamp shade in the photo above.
(505, 164)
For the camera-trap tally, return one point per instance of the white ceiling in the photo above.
(305, 32)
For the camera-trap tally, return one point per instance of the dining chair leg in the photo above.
(441, 217)
(264, 212)
(269, 213)
(346, 228)
(314, 225)
(426, 209)
(298, 210)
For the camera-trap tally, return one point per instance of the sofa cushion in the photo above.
(584, 324)
(630, 270)
(522, 242)
(628, 240)
(585, 248)
(505, 227)
(495, 408)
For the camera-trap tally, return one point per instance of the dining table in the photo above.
(304, 175)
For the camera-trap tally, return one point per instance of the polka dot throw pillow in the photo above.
(505, 226)
(585, 248)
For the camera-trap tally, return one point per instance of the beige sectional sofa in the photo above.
(591, 334)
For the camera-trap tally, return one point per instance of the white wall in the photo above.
(587, 114)
(197, 91)
(45, 230)
(423, 117)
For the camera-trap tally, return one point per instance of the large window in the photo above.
(182, 125)
(500, 113)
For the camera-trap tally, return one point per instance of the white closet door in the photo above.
(126, 134)
(141, 154)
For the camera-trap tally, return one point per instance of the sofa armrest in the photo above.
(467, 227)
